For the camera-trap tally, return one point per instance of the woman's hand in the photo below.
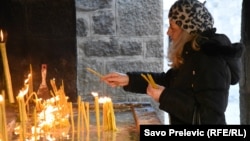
(155, 93)
(116, 79)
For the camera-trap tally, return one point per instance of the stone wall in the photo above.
(117, 35)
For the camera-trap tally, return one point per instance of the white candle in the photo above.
(6, 68)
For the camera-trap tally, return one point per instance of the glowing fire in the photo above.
(52, 115)
(50, 119)
(1, 35)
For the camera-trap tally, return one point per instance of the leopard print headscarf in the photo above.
(191, 15)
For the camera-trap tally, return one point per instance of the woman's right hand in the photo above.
(155, 93)
(115, 79)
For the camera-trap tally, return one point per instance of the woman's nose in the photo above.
(168, 32)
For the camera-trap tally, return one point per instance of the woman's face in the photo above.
(174, 31)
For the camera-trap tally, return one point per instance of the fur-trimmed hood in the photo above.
(212, 43)
(219, 44)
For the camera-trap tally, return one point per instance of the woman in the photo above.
(203, 66)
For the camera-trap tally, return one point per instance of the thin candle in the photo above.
(113, 120)
(94, 72)
(27, 83)
(84, 114)
(35, 124)
(6, 68)
(97, 112)
(3, 118)
(104, 111)
(78, 116)
(87, 114)
(22, 111)
(72, 117)
(30, 80)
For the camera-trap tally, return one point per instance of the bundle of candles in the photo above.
(108, 116)
(50, 115)
(83, 116)
(52, 118)
(150, 80)
(109, 122)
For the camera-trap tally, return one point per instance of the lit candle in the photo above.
(109, 122)
(112, 114)
(97, 112)
(30, 80)
(104, 113)
(27, 84)
(22, 111)
(6, 68)
(3, 118)
(82, 117)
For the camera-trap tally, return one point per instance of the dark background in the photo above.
(40, 32)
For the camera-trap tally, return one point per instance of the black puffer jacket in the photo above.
(201, 83)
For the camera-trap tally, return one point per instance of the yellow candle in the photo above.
(87, 114)
(78, 116)
(27, 84)
(20, 105)
(113, 120)
(97, 112)
(84, 114)
(94, 72)
(103, 113)
(30, 81)
(82, 117)
(24, 117)
(109, 114)
(109, 122)
(35, 124)
(6, 68)
(22, 112)
(72, 117)
(3, 118)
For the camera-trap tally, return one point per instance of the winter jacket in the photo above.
(199, 89)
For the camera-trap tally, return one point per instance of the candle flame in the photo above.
(104, 99)
(1, 98)
(94, 94)
(23, 92)
(29, 75)
(27, 79)
(1, 35)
